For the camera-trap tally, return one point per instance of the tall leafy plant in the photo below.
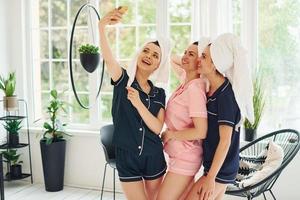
(8, 85)
(258, 102)
(55, 130)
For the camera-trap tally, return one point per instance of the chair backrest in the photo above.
(106, 135)
(288, 139)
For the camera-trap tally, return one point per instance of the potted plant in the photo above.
(53, 146)
(13, 127)
(12, 158)
(258, 106)
(10, 101)
(89, 57)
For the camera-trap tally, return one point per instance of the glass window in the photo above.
(279, 59)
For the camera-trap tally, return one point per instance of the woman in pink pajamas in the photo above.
(186, 120)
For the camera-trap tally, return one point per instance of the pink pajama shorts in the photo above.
(184, 158)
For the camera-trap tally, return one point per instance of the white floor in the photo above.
(20, 190)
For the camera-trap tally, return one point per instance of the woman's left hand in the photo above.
(206, 188)
(134, 97)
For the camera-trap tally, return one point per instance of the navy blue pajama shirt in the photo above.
(222, 109)
(139, 151)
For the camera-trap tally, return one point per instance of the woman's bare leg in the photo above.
(173, 186)
(152, 187)
(134, 190)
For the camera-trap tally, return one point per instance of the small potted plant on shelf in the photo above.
(10, 101)
(258, 106)
(12, 127)
(12, 158)
(53, 146)
(89, 57)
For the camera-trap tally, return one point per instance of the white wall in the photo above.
(84, 165)
(4, 48)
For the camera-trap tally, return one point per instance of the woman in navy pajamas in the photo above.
(229, 98)
(138, 115)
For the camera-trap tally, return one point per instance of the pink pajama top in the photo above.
(188, 101)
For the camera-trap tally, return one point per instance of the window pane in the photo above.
(236, 8)
(145, 33)
(60, 76)
(44, 45)
(279, 58)
(106, 6)
(81, 77)
(146, 14)
(59, 12)
(59, 44)
(80, 115)
(174, 81)
(83, 17)
(127, 42)
(180, 11)
(129, 17)
(180, 37)
(45, 76)
(106, 86)
(45, 102)
(106, 105)
(43, 12)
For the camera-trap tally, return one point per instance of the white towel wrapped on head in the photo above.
(229, 57)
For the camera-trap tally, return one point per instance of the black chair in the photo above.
(106, 135)
(288, 139)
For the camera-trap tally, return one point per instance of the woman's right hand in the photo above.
(111, 18)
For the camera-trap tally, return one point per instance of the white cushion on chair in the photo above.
(273, 160)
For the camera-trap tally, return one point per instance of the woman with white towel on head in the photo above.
(229, 99)
(138, 113)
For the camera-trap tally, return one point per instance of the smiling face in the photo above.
(189, 60)
(205, 64)
(149, 58)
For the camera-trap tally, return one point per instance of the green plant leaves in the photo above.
(88, 49)
(55, 130)
(13, 126)
(11, 156)
(54, 94)
(8, 85)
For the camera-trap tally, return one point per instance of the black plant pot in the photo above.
(15, 171)
(89, 61)
(250, 134)
(13, 139)
(53, 159)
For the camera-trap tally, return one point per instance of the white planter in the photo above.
(10, 103)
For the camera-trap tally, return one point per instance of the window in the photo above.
(279, 59)
(52, 25)
(180, 22)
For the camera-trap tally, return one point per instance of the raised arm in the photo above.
(176, 65)
(114, 69)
